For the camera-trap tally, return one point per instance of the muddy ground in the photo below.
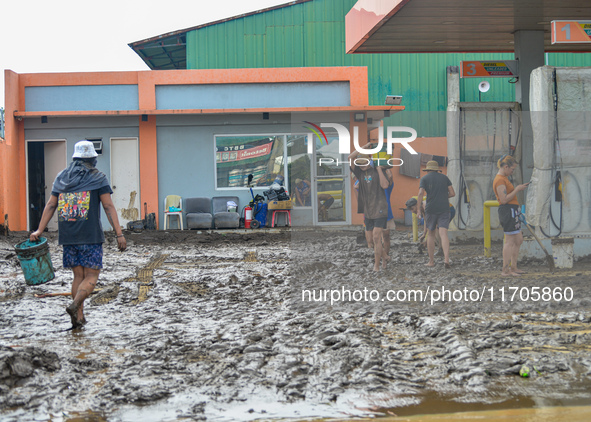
(189, 325)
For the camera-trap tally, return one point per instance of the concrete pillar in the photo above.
(453, 132)
(529, 51)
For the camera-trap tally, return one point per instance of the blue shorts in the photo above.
(87, 256)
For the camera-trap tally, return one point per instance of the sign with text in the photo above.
(237, 153)
(565, 32)
(489, 69)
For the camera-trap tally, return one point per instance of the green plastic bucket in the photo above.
(35, 261)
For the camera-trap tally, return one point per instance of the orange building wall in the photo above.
(13, 178)
(406, 187)
(148, 143)
(12, 160)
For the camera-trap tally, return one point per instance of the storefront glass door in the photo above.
(330, 200)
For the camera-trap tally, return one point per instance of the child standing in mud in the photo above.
(372, 201)
(80, 188)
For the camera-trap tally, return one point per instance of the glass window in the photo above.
(330, 153)
(238, 156)
(330, 181)
(299, 170)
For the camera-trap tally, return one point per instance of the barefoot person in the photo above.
(509, 214)
(390, 224)
(76, 194)
(437, 214)
(372, 201)
(413, 206)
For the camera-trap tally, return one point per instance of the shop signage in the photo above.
(489, 69)
(565, 32)
(235, 153)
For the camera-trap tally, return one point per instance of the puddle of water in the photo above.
(263, 406)
(241, 413)
(434, 407)
(543, 414)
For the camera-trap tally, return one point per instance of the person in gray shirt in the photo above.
(439, 189)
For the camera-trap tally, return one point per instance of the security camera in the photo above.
(393, 99)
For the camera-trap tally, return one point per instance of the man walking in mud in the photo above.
(372, 201)
(76, 194)
(437, 215)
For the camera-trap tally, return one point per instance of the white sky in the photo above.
(41, 36)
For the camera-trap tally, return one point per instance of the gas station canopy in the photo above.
(413, 26)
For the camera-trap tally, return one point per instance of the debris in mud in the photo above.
(213, 324)
(105, 295)
(250, 256)
(194, 289)
(14, 293)
(17, 364)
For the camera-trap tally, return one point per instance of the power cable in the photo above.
(556, 149)
(462, 181)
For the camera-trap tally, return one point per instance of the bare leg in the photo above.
(431, 248)
(386, 246)
(517, 241)
(377, 247)
(83, 290)
(438, 246)
(78, 277)
(444, 245)
(508, 251)
(369, 239)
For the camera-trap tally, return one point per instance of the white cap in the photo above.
(84, 149)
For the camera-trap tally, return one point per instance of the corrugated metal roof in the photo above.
(168, 51)
(313, 34)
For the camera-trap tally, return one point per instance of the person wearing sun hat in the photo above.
(77, 192)
(439, 189)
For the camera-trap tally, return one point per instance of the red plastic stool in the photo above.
(288, 212)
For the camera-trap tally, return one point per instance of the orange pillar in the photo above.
(148, 142)
(149, 164)
(13, 178)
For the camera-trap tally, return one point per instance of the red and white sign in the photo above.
(258, 151)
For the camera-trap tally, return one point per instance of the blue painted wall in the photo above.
(220, 96)
(186, 158)
(66, 98)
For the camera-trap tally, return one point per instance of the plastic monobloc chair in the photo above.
(176, 202)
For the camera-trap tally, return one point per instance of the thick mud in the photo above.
(219, 327)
